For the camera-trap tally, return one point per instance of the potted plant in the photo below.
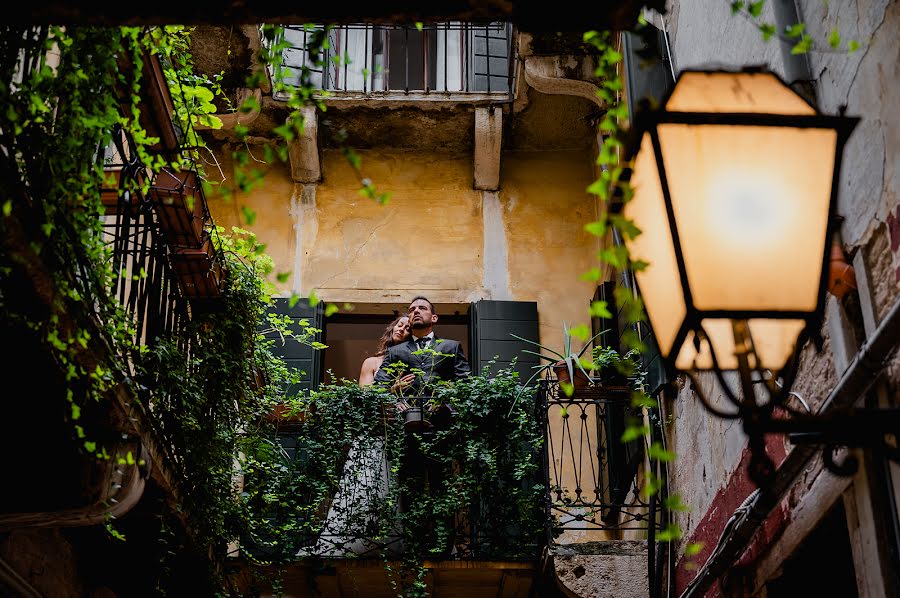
(569, 366)
(614, 369)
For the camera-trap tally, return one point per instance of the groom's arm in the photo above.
(461, 367)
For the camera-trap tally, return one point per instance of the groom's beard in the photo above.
(418, 325)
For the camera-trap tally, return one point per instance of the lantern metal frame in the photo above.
(774, 413)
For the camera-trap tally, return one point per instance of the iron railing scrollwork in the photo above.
(592, 481)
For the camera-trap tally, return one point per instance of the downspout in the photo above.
(860, 374)
(797, 72)
(124, 490)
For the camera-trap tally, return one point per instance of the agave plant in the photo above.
(572, 359)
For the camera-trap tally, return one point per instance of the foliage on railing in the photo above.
(351, 481)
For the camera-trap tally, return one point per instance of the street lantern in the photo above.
(734, 184)
(734, 190)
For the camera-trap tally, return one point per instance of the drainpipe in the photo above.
(797, 72)
(860, 374)
(125, 486)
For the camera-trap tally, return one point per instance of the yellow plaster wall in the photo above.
(545, 210)
(272, 202)
(427, 239)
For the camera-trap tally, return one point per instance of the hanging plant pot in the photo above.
(415, 419)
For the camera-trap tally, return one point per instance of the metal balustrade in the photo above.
(592, 477)
(439, 58)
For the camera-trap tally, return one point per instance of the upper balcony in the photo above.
(450, 61)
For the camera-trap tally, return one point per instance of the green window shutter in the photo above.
(296, 355)
(492, 322)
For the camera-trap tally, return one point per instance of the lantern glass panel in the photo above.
(751, 205)
(774, 341)
(757, 93)
(659, 283)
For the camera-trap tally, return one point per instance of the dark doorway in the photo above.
(823, 563)
(353, 336)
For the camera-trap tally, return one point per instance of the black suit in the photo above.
(451, 365)
(419, 473)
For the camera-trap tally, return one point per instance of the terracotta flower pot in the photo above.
(562, 374)
(841, 276)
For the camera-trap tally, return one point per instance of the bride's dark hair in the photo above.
(387, 337)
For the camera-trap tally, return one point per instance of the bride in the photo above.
(364, 483)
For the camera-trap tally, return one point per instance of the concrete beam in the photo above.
(304, 150)
(488, 135)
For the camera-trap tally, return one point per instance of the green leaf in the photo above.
(616, 256)
(600, 309)
(592, 275)
(249, 215)
(834, 39)
(331, 309)
(795, 30)
(736, 7)
(693, 548)
(672, 532)
(642, 399)
(581, 332)
(598, 228)
(7, 207)
(852, 46)
(803, 46)
(673, 503)
(625, 226)
(767, 30)
(600, 188)
(755, 8)
(656, 451)
(635, 432)
(418, 25)
(283, 276)
(313, 299)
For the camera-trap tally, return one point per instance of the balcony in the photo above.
(475, 494)
(454, 61)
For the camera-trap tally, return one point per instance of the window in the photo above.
(443, 57)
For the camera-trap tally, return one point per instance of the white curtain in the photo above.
(449, 57)
(353, 72)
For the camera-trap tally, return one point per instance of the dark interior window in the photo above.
(353, 336)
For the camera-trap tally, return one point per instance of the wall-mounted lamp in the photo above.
(734, 182)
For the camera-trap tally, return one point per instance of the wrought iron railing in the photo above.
(592, 476)
(162, 254)
(406, 484)
(439, 58)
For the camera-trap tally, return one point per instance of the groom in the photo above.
(444, 360)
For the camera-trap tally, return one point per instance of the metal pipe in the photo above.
(796, 66)
(860, 374)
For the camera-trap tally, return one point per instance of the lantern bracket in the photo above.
(849, 427)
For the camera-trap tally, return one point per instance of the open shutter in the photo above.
(298, 356)
(492, 324)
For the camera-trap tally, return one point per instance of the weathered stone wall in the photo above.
(711, 451)
(615, 569)
(436, 235)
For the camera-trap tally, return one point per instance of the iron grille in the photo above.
(378, 59)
